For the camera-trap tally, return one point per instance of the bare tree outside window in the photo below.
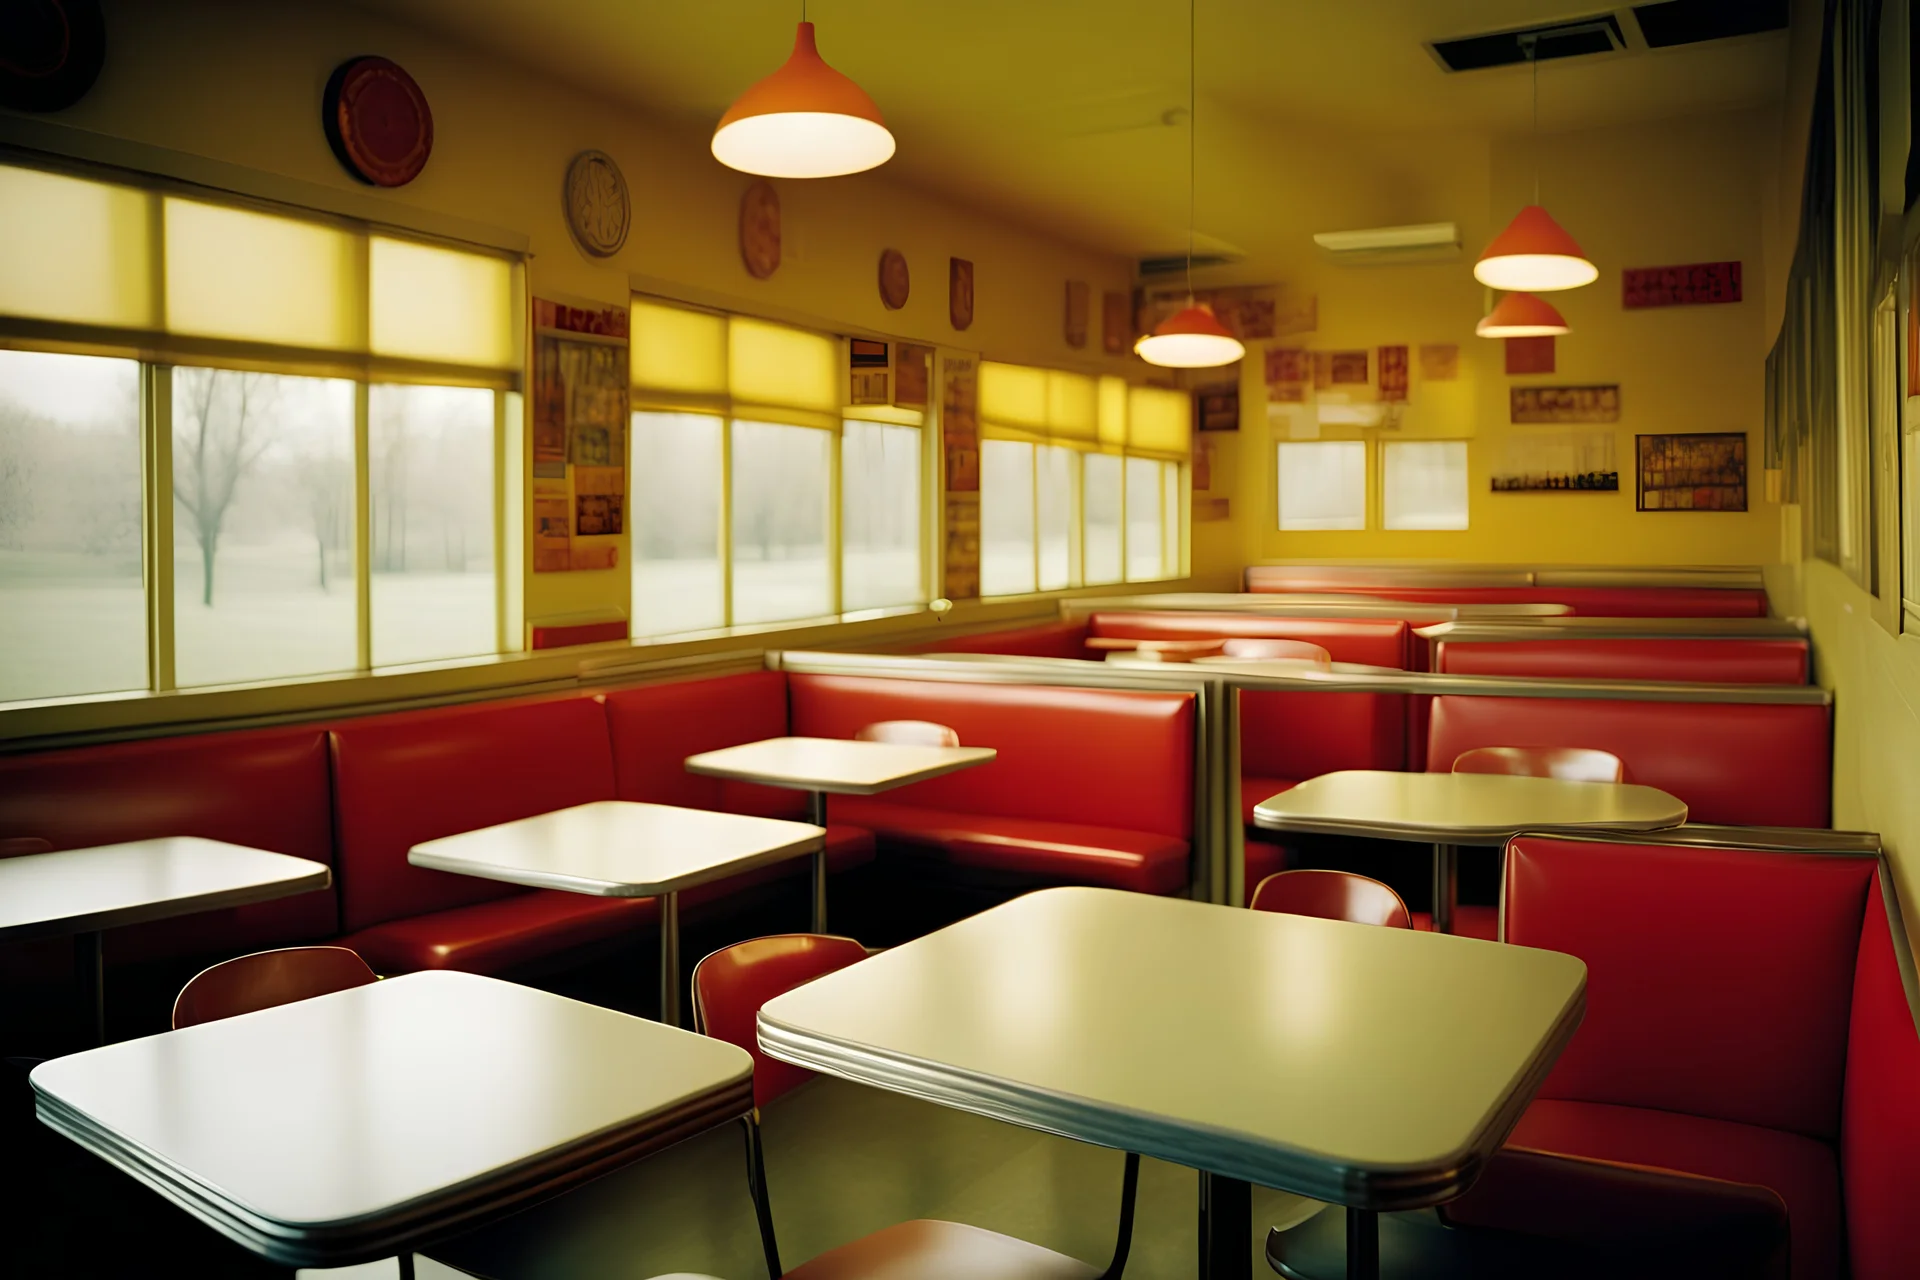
(222, 423)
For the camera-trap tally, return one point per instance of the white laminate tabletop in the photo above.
(1462, 808)
(619, 848)
(109, 885)
(842, 766)
(1354, 1064)
(345, 1127)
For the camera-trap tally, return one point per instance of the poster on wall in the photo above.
(1696, 284)
(1706, 471)
(1216, 406)
(1393, 373)
(1565, 404)
(1557, 462)
(960, 446)
(1439, 361)
(1530, 355)
(580, 401)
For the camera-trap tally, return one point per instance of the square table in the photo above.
(375, 1121)
(1452, 809)
(833, 766)
(625, 849)
(1374, 1068)
(84, 892)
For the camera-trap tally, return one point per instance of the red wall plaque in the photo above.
(1697, 284)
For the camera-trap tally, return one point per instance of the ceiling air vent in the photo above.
(1692, 21)
(1169, 263)
(1574, 39)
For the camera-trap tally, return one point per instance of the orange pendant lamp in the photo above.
(1521, 315)
(1534, 253)
(1193, 337)
(806, 120)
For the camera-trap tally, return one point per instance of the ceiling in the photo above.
(1068, 115)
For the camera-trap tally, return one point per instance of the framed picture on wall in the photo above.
(1216, 407)
(1699, 472)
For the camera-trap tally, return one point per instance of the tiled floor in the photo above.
(843, 1160)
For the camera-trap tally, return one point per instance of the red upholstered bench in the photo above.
(1747, 1020)
(1760, 660)
(1091, 786)
(655, 728)
(1739, 763)
(264, 788)
(401, 779)
(1599, 602)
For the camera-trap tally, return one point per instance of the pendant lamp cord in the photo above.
(1533, 62)
(1191, 169)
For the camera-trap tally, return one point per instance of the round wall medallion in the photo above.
(378, 122)
(599, 209)
(893, 279)
(50, 52)
(760, 230)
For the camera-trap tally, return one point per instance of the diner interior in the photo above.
(683, 640)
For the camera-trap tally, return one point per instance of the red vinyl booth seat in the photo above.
(267, 789)
(402, 779)
(654, 728)
(1744, 764)
(1091, 786)
(1746, 1021)
(1743, 661)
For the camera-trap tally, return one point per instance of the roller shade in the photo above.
(196, 276)
(1160, 421)
(1022, 402)
(679, 351)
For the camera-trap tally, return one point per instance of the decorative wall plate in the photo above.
(760, 230)
(377, 121)
(599, 210)
(50, 52)
(960, 292)
(894, 283)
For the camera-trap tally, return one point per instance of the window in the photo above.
(290, 363)
(1080, 480)
(741, 452)
(1322, 484)
(1424, 484)
(679, 575)
(880, 531)
(73, 611)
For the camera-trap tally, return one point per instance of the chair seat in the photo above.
(1468, 921)
(1261, 860)
(926, 1249)
(1802, 1171)
(1070, 852)
(1254, 791)
(488, 937)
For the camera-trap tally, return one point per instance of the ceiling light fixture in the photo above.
(1193, 337)
(1521, 315)
(806, 120)
(1534, 252)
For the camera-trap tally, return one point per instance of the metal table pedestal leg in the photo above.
(1226, 1228)
(670, 959)
(1446, 885)
(1363, 1244)
(90, 976)
(817, 815)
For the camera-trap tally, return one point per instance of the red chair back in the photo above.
(909, 733)
(730, 985)
(1263, 648)
(20, 846)
(1332, 895)
(1569, 764)
(266, 979)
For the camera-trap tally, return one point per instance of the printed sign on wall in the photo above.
(1693, 285)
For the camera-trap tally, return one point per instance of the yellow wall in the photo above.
(241, 83)
(1649, 195)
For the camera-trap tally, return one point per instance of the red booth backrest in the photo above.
(1103, 757)
(1880, 1121)
(1379, 642)
(1755, 661)
(1719, 981)
(1598, 602)
(655, 728)
(1049, 640)
(263, 788)
(402, 779)
(1746, 764)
